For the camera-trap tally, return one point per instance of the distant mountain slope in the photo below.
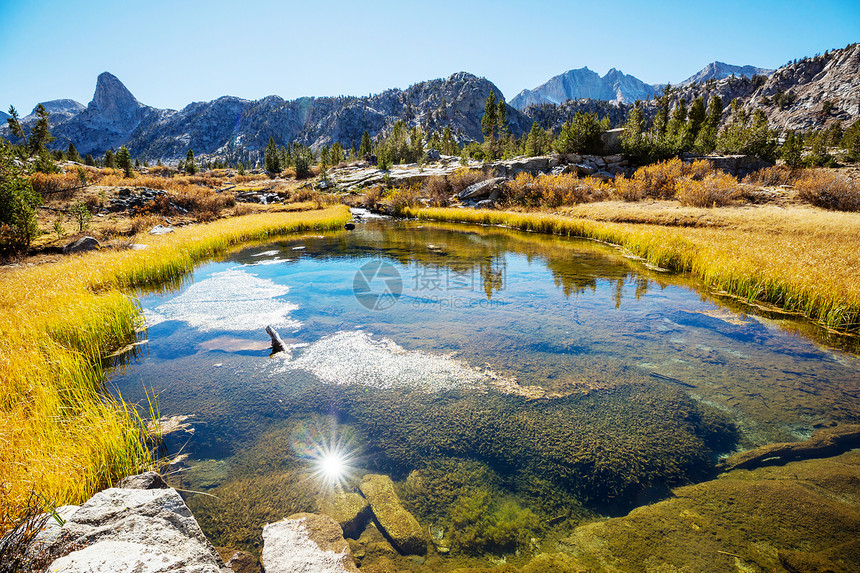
(60, 109)
(794, 95)
(720, 70)
(615, 86)
(233, 127)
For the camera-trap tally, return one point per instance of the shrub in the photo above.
(81, 215)
(372, 197)
(715, 190)
(829, 191)
(659, 180)
(462, 178)
(437, 189)
(552, 191)
(205, 204)
(60, 184)
(772, 176)
(400, 198)
(143, 223)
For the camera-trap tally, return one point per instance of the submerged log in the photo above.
(823, 443)
(277, 343)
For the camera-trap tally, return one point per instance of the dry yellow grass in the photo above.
(59, 434)
(801, 259)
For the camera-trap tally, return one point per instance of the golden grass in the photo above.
(803, 260)
(60, 434)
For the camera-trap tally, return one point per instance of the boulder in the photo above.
(603, 176)
(135, 530)
(583, 169)
(349, 510)
(396, 523)
(81, 245)
(306, 542)
(485, 204)
(160, 230)
(480, 188)
(146, 480)
(432, 154)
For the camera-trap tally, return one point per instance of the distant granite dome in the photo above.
(64, 107)
(112, 99)
(615, 86)
(720, 70)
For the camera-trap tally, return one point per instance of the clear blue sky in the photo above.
(170, 54)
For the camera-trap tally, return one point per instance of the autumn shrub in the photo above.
(552, 191)
(143, 223)
(437, 189)
(62, 184)
(248, 178)
(715, 190)
(205, 204)
(660, 180)
(520, 191)
(772, 176)
(829, 190)
(372, 197)
(462, 178)
(397, 199)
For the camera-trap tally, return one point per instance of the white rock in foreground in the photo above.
(306, 543)
(139, 530)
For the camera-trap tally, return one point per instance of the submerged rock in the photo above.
(306, 542)
(349, 510)
(397, 524)
(804, 516)
(824, 442)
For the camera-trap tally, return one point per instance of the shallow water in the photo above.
(566, 377)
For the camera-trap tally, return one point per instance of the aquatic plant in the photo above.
(60, 433)
(805, 263)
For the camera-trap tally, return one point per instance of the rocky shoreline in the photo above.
(803, 515)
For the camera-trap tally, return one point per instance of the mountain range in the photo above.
(235, 128)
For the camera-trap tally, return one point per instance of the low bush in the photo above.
(552, 191)
(715, 190)
(660, 180)
(438, 190)
(829, 190)
(463, 177)
(772, 176)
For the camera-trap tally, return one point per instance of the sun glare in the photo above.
(331, 453)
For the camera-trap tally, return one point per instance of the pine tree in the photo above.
(792, 150)
(696, 117)
(449, 145)
(488, 121)
(273, 157)
(706, 141)
(109, 159)
(364, 147)
(123, 161)
(190, 166)
(73, 154)
(88, 160)
(15, 126)
(40, 136)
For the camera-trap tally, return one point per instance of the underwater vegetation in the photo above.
(605, 447)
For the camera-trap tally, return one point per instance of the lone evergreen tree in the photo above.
(364, 147)
(109, 159)
(73, 154)
(40, 136)
(190, 166)
(123, 161)
(273, 157)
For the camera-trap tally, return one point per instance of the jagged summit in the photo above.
(615, 86)
(719, 70)
(112, 98)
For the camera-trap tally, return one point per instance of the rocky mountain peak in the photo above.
(718, 70)
(112, 99)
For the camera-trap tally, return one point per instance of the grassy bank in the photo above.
(802, 260)
(59, 434)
